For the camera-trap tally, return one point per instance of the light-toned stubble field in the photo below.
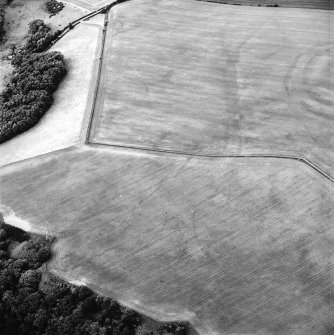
(212, 79)
(319, 4)
(236, 246)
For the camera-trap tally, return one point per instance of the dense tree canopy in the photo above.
(28, 95)
(35, 302)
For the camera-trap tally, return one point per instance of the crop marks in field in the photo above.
(241, 245)
(211, 79)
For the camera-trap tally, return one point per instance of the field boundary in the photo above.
(181, 153)
(273, 4)
(87, 141)
(144, 149)
(98, 80)
(45, 155)
(196, 323)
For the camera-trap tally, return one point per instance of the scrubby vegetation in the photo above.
(33, 301)
(28, 95)
(53, 6)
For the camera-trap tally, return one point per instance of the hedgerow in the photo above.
(36, 76)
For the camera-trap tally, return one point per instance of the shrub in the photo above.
(53, 6)
(35, 25)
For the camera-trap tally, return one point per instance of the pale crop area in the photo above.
(320, 4)
(211, 79)
(234, 245)
(186, 189)
(89, 5)
(62, 125)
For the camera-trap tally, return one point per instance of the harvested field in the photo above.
(236, 245)
(318, 4)
(210, 79)
(62, 125)
(89, 4)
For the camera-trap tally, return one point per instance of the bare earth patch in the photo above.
(210, 79)
(234, 245)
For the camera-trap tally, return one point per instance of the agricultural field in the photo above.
(155, 209)
(212, 79)
(90, 5)
(319, 4)
(234, 245)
